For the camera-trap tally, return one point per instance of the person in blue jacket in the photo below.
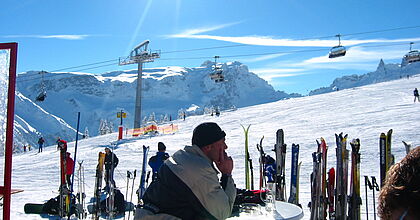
(156, 161)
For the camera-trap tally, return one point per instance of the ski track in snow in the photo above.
(362, 112)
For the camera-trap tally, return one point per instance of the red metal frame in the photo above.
(8, 149)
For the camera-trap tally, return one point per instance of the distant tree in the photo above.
(105, 127)
(144, 120)
(207, 110)
(86, 134)
(101, 127)
(161, 119)
(110, 127)
(152, 117)
(181, 113)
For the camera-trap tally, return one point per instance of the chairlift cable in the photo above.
(241, 45)
(50, 76)
(73, 67)
(384, 30)
(227, 46)
(228, 56)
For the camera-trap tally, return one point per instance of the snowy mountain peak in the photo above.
(165, 91)
(384, 72)
(381, 66)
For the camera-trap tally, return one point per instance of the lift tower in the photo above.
(139, 55)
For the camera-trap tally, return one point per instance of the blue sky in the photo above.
(276, 36)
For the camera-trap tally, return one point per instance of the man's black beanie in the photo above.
(161, 146)
(207, 133)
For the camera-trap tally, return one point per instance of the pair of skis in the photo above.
(318, 203)
(354, 199)
(98, 186)
(342, 155)
(386, 158)
(142, 187)
(280, 149)
(64, 192)
(260, 149)
(130, 176)
(248, 178)
(294, 176)
(328, 190)
(81, 196)
(280, 180)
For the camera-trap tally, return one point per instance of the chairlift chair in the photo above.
(337, 51)
(217, 77)
(412, 56)
(43, 94)
(217, 74)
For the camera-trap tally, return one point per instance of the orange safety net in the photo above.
(167, 129)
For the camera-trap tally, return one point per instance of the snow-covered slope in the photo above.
(384, 72)
(362, 112)
(30, 114)
(165, 91)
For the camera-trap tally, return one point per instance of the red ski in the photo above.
(330, 191)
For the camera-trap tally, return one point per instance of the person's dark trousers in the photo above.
(68, 179)
(109, 177)
(40, 148)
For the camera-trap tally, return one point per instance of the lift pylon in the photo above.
(140, 54)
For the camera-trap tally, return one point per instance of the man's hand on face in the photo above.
(225, 163)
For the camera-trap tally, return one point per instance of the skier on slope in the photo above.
(69, 169)
(156, 161)
(40, 144)
(188, 186)
(416, 95)
(111, 161)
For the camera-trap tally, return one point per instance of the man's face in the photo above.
(216, 150)
(107, 151)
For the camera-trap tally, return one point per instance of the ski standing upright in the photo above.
(142, 187)
(331, 192)
(355, 200)
(247, 177)
(386, 158)
(294, 175)
(262, 155)
(280, 149)
(341, 177)
(98, 185)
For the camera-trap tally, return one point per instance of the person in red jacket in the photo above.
(62, 147)
(69, 168)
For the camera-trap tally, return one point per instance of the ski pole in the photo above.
(128, 179)
(147, 179)
(367, 183)
(375, 186)
(131, 197)
(74, 164)
(251, 168)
